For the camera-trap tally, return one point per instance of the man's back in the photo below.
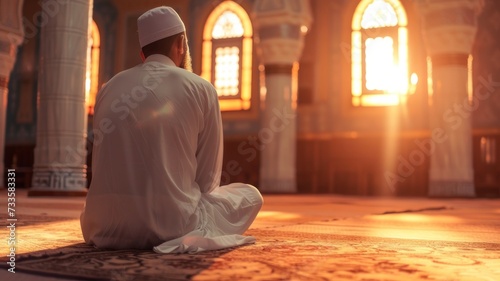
(157, 147)
(157, 156)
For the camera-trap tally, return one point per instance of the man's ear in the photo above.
(180, 44)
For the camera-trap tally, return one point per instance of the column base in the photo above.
(63, 182)
(278, 186)
(451, 189)
(56, 193)
(60, 178)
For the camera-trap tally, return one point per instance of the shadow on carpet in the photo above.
(84, 262)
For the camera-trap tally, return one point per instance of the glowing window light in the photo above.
(402, 79)
(414, 79)
(430, 81)
(379, 14)
(227, 65)
(379, 100)
(470, 82)
(228, 25)
(379, 52)
(92, 71)
(356, 59)
(383, 63)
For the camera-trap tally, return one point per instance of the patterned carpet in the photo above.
(55, 248)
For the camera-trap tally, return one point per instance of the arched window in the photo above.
(379, 54)
(227, 55)
(92, 74)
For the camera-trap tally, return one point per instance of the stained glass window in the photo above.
(227, 65)
(227, 55)
(228, 25)
(379, 14)
(379, 51)
(379, 54)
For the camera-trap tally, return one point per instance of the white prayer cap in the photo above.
(158, 23)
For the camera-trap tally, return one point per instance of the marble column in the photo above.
(449, 29)
(11, 36)
(60, 152)
(280, 28)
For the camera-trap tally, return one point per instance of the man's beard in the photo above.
(186, 61)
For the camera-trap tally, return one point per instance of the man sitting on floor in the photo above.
(157, 155)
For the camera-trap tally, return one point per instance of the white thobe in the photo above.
(156, 166)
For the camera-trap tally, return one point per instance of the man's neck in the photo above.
(160, 58)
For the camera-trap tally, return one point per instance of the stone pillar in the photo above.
(60, 153)
(11, 35)
(449, 29)
(280, 27)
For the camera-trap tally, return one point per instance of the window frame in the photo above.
(360, 95)
(243, 102)
(226, 42)
(92, 68)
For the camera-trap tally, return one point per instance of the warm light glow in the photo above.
(88, 82)
(275, 215)
(206, 63)
(379, 100)
(402, 79)
(414, 79)
(88, 72)
(363, 5)
(413, 83)
(262, 85)
(92, 73)
(379, 14)
(227, 65)
(34, 239)
(411, 227)
(228, 25)
(430, 83)
(356, 60)
(246, 74)
(303, 29)
(386, 63)
(232, 70)
(470, 90)
(418, 218)
(379, 57)
(295, 84)
(356, 101)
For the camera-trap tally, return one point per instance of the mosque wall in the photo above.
(241, 128)
(341, 148)
(21, 114)
(349, 145)
(486, 67)
(486, 102)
